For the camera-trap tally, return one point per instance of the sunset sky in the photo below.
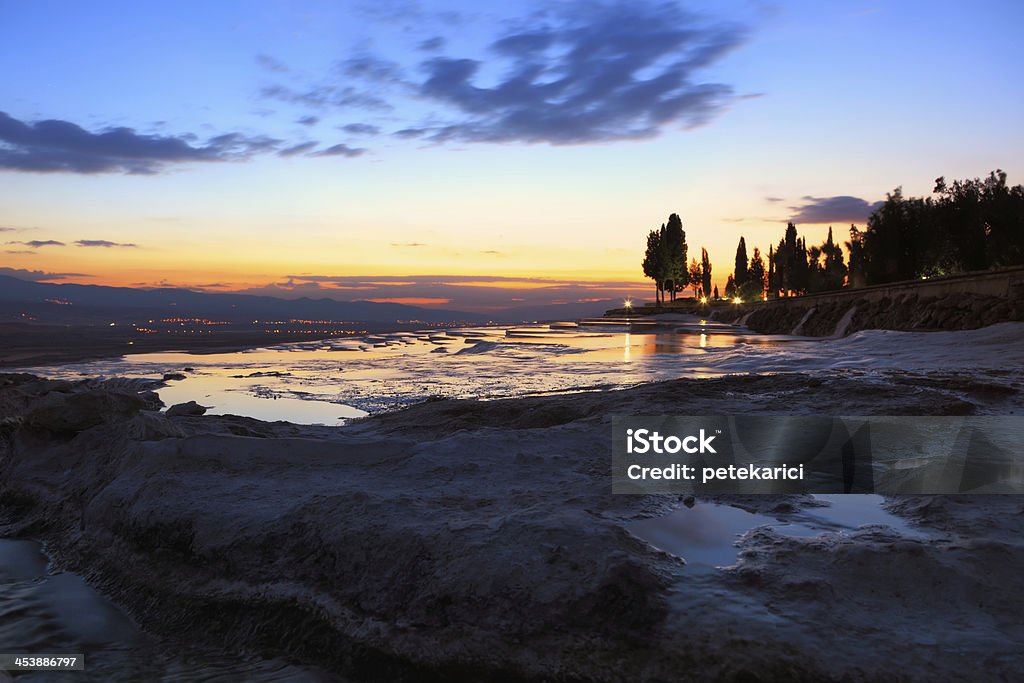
(476, 154)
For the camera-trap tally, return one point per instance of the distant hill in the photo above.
(568, 311)
(97, 302)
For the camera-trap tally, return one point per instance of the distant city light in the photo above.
(737, 300)
(627, 303)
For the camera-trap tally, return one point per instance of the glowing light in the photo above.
(737, 300)
(703, 300)
(627, 303)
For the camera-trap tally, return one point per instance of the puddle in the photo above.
(228, 396)
(706, 534)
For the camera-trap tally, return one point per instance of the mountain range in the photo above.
(91, 303)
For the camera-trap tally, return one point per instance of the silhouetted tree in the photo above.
(675, 247)
(787, 260)
(858, 262)
(801, 269)
(833, 270)
(705, 270)
(740, 271)
(756, 277)
(695, 278)
(654, 263)
(716, 292)
(968, 225)
(773, 284)
(730, 288)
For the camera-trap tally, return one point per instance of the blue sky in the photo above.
(304, 147)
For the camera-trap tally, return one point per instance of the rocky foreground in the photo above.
(480, 541)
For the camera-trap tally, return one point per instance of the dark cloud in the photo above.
(839, 209)
(37, 275)
(593, 72)
(308, 120)
(582, 72)
(18, 251)
(339, 150)
(271, 64)
(6, 229)
(36, 244)
(360, 129)
(104, 243)
(61, 146)
(432, 44)
(408, 244)
(297, 149)
(773, 200)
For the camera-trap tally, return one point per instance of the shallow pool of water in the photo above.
(706, 534)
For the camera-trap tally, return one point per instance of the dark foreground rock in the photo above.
(188, 408)
(463, 540)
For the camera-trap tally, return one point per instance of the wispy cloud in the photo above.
(432, 44)
(107, 244)
(54, 145)
(838, 209)
(339, 150)
(300, 148)
(36, 244)
(271, 64)
(38, 275)
(322, 96)
(360, 129)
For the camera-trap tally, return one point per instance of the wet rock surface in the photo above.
(187, 408)
(469, 540)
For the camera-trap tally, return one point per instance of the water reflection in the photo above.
(328, 382)
(706, 534)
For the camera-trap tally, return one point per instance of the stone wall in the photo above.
(955, 303)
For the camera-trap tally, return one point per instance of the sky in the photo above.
(472, 156)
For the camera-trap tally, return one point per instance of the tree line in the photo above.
(969, 225)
